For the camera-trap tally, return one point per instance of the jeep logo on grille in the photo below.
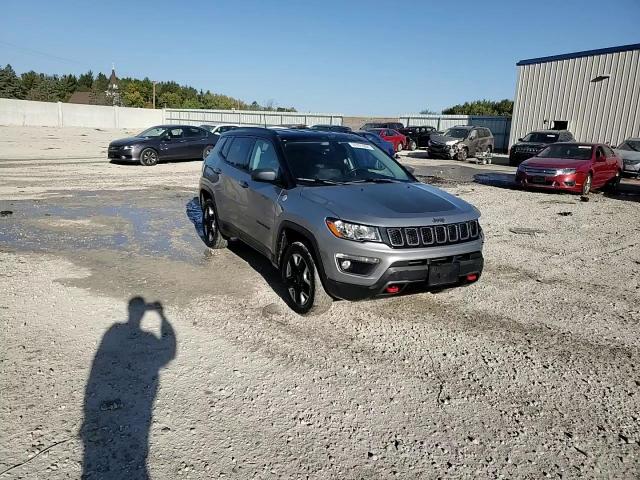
(438, 219)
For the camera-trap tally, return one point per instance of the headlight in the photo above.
(565, 171)
(128, 147)
(353, 231)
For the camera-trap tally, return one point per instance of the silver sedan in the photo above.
(629, 152)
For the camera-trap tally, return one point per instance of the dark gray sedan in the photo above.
(629, 152)
(164, 142)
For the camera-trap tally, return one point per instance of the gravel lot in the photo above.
(532, 372)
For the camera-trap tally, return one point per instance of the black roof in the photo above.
(292, 134)
(585, 53)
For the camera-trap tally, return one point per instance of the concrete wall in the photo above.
(247, 117)
(49, 114)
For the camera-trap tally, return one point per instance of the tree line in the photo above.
(133, 92)
(478, 107)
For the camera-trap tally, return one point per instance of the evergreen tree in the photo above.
(10, 84)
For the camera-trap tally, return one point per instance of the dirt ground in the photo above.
(532, 372)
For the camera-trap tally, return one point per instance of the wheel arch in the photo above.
(290, 232)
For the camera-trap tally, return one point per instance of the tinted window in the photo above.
(487, 133)
(224, 151)
(633, 145)
(238, 154)
(541, 137)
(264, 156)
(608, 152)
(193, 132)
(456, 133)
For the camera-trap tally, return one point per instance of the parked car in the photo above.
(417, 137)
(629, 152)
(163, 142)
(378, 141)
(220, 129)
(461, 142)
(332, 128)
(394, 137)
(337, 217)
(534, 142)
(392, 125)
(574, 167)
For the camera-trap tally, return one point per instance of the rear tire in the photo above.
(413, 145)
(148, 157)
(212, 236)
(614, 183)
(586, 186)
(399, 147)
(305, 293)
(206, 151)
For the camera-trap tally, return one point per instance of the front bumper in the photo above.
(415, 276)
(570, 183)
(122, 155)
(632, 168)
(442, 151)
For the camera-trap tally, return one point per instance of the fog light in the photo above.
(345, 264)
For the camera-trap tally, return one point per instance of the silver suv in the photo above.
(337, 216)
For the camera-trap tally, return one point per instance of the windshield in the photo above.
(339, 162)
(633, 145)
(540, 137)
(152, 132)
(456, 133)
(577, 152)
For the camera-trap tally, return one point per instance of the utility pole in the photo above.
(154, 94)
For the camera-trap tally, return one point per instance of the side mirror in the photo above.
(520, 140)
(264, 175)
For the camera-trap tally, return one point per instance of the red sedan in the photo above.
(392, 136)
(574, 167)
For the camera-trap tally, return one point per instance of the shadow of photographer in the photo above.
(120, 393)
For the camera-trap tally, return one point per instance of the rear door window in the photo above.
(193, 133)
(238, 152)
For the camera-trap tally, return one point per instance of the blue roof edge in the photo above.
(586, 53)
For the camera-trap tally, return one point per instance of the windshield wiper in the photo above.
(318, 181)
(375, 180)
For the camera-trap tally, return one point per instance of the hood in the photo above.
(391, 204)
(555, 163)
(532, 145)
(628, 154)
(121, 142)
(444, 140)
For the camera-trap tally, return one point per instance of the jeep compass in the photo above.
(337, 216)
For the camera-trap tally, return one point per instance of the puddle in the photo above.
(506, 180)
(168, 225)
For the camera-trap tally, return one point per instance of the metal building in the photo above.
(594, 94)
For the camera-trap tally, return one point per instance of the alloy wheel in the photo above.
(586, 186)
(298, 279)
(149, 157)
(209, 223)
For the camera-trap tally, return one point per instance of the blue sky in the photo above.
(350, 57)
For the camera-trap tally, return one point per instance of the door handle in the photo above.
(243, 184)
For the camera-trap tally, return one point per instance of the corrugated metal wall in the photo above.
(499, 126)
(607, 110)
(246, 117)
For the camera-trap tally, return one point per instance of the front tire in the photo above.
(413, 145)
(212, 236)
(614, 183)
(399, 147)
(586, 186)
(149, 157)
(462, 154)
(305, 293)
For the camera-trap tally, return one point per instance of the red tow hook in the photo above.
(472, 277)
(393, 289)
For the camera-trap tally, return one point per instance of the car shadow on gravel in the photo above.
(120, 394)
(254, 259)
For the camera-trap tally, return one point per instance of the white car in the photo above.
(220, 129)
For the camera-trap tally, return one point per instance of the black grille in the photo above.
(413, 237)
